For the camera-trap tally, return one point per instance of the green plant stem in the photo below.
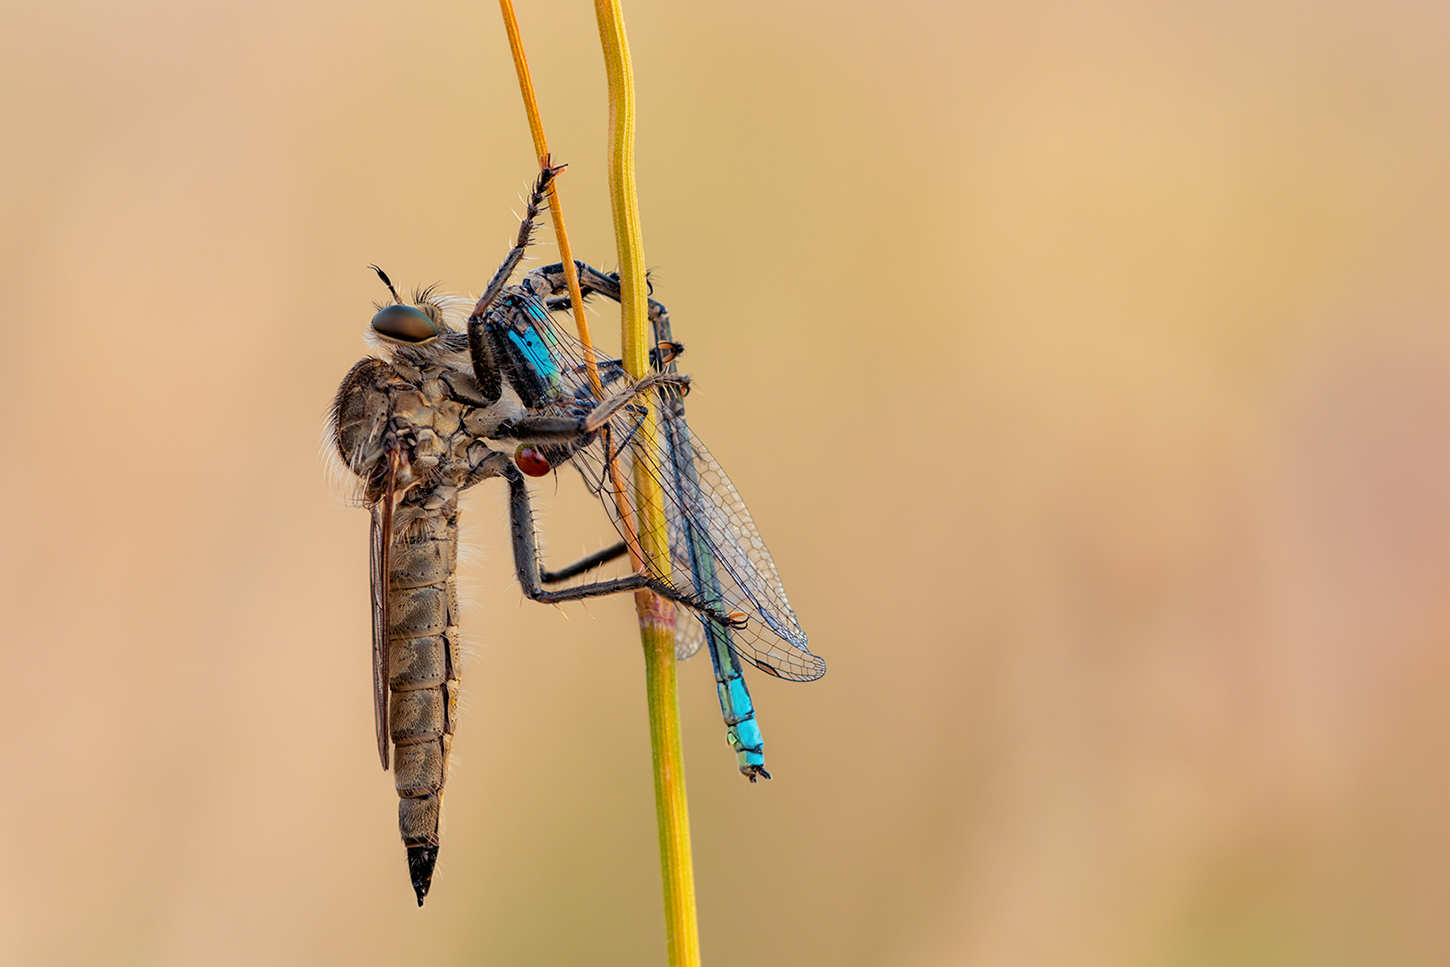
(656, 617)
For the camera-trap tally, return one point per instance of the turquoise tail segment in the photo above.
(741, 729)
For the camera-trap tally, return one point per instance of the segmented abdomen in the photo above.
(423, 663)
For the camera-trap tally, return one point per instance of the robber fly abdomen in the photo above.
(423, 675)
(411, 445)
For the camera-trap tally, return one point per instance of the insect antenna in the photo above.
(389, 283)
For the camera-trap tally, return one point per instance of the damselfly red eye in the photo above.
(405, 324)
(531, 461)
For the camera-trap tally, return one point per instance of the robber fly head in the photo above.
(411, 324)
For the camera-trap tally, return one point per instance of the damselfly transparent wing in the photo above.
(717, 556)
(689, 633)
(716, 553)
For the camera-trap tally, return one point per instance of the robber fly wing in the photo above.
(380, 553)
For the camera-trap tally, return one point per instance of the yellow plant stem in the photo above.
(646, 539)
(656, 617)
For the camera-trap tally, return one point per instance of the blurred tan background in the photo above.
(1085, 366)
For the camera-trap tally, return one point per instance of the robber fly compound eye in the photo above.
(405, 324)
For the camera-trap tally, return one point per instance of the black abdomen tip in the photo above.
(421, 860)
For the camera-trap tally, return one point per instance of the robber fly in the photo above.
(458, 393)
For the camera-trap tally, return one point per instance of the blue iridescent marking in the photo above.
(740, 698)
(538, 356)
(537, 313)
(750, 736)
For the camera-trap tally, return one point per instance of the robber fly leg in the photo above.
(516, 254)
(530, 569)
(558, 430)
(498, 465)
(549, 279)
(584, 564)
(563, 430)
(485, 367)
(602, 413)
